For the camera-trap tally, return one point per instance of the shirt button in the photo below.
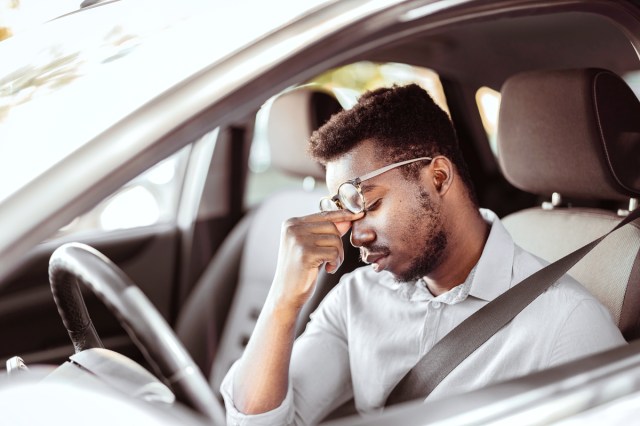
(436, 305)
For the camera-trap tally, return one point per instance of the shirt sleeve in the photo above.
(319, 373)
(282, 415)
(588, 329)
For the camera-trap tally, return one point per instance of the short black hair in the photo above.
(403, 120)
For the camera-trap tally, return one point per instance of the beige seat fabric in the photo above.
(577, 132)
(608, 271)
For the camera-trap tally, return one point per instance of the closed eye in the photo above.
(373, 205)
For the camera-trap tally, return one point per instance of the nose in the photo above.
(361, 233)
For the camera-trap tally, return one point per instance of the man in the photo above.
(403, 189)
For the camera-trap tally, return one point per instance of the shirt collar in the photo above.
(488, 279)
(494, 269)
(451, 297)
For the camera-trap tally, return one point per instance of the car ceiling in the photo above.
(486, 53)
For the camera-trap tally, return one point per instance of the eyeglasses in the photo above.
(350, 196)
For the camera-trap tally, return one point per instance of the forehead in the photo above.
(362, 159)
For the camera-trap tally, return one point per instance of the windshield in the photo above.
(67, 81)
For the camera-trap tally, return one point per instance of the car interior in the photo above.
(564, 170)
(253, 246)
(581, 151)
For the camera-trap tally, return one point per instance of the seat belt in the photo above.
(471, 333)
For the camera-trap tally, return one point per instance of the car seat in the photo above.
(576, 134)
(219, 315)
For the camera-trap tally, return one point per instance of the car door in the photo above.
(147, 228)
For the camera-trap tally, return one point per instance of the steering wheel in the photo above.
(76, 263)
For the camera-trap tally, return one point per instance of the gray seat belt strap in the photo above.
(471, 333)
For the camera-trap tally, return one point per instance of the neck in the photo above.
(466, 240)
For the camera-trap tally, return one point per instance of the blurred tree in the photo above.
(363, 76)
(5, 31)
(18, 15)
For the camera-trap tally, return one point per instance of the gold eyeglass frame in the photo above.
(357, 181)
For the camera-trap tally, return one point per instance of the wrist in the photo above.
(283, 311)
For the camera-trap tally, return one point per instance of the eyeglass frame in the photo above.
(357, 181)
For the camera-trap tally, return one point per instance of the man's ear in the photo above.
(441, 174)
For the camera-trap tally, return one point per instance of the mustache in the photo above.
(378, 249)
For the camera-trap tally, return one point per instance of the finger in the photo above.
(337, 218)
(327, 240)
(324, 255)
(314, 246)
(334, 216)
(342, 227)
(317, 228)
(331, 266)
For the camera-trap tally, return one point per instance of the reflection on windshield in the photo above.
(63, 83)
(58, 66)
(28, 82)
(51, 96)
(17, 16)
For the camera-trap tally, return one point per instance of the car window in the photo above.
(488, 101)
(149, 199)
(347, 83)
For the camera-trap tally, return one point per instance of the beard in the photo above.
(428, 222)
(431, 254)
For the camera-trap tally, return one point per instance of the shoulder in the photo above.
(564, 301)
(566, 289)
(576, 323)
(584, 325)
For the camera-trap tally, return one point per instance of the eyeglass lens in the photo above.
(350, 198)
(327, 205)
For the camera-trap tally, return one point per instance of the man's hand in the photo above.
(306, 244)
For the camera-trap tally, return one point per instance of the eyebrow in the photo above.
(367, 187)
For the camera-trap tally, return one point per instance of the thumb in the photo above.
(343, 227)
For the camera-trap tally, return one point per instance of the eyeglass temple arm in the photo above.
(389, 167)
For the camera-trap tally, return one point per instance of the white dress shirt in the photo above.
(371, 330)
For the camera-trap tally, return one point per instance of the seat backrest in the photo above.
(244, 266)
(576, 134)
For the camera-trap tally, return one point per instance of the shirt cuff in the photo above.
(281, 415)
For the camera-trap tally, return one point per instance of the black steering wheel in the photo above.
(75, 263)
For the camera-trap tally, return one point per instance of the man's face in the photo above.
(403, 229)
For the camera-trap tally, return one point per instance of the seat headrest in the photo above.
(576, 132)
(291, 118)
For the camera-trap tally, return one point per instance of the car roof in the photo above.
(487, 52)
